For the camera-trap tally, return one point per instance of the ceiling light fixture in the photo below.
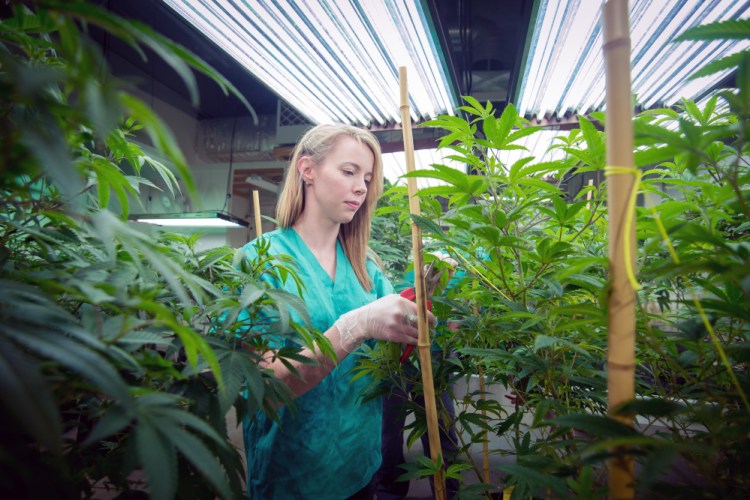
(565, 68)
(333, 60)
(194, 219)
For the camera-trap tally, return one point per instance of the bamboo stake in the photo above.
(621, 327)
(423, 341)
(256, 209)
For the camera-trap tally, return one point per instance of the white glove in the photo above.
(391, 318)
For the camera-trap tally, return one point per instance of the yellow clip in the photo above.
(615, 170)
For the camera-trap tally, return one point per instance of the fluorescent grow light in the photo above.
(565, 68)
(196, 219)
(332, 60)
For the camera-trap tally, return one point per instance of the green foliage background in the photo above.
(532, 306)
(120, 352)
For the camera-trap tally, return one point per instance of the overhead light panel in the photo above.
(195, 219)
(333, 60)
(565, 68)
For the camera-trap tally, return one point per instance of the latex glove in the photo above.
(411, 294)
(391, 318)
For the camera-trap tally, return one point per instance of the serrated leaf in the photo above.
(161, 136)
(444, 173)
(199, 455)
(143, 337)
(652, 407)
(113, 421)
(535, 478)
(597, 425)
(27, 396)
(213, 256)
(158, 458)
(251, 293)
(731, 29)
(725, 63)
(544, 341)
(426, 224)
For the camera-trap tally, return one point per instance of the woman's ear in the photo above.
(306, 170)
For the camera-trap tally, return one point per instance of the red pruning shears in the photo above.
(431, 280)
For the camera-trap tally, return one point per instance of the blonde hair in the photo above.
(354, 236)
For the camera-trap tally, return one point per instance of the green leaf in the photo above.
(427, 225)
(498, 135)
(159, 460)
(535, 478)
(540, 184)
(46, 142)
(657, 463)
(736, 29)
(534, 168)
(475, 105)
(143, 337)
(593, 424)
(443, 173)
(101, 106)
(652, 407)
(113, 421)
(161, 137)
(213, 256)
(40, 326)
(167, 177)
(199, 455)
(522, 132)
(654, 155)
(84, 361)
(251, 293)
(594, 141)
(28, 397)
(731, 61)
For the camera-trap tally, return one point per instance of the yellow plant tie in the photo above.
(629, 217)
(703, 315)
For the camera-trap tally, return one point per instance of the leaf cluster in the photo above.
(121, 352)
(531, 291)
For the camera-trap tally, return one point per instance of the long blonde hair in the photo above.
(355, 235)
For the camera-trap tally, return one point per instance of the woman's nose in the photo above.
(361, 187)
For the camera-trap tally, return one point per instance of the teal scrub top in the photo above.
(328, 445)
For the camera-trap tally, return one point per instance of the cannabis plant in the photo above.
(120, 353)
(532, 305)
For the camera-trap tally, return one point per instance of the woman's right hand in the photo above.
(391, 318)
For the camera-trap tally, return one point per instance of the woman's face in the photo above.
(339, 183)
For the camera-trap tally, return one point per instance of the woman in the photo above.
(328, 444)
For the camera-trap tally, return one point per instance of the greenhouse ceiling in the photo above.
(337, 60)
